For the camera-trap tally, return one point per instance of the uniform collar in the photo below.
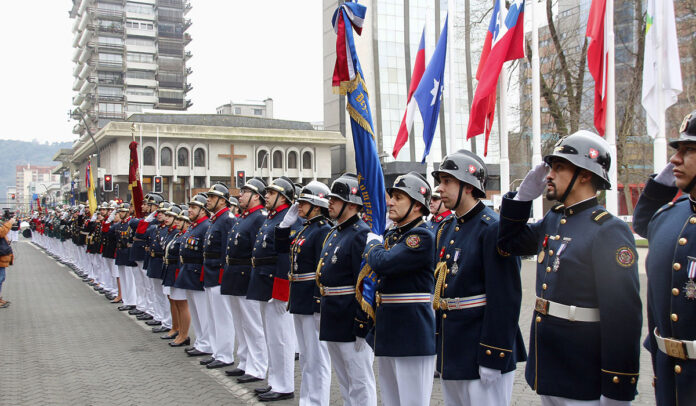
(478, 208)
(442, 216)
(692, 203)
(172, 228)
(253, 209)
(314, 219)
(199, 221)
(408, 226)
(219, 213)
(348, 222)
(279, 209)
(580, 206)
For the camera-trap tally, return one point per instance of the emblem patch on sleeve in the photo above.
(413, 241)
(625, 257)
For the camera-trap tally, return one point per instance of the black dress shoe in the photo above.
(235, 372)
(206, 361)
(169, 337)
(187, 349)
(196, 353)
(113, 301)
(246, 378)
(126, 307)
(153, 323)
(273, 396)
(160, 329)
(144, 316)
(218, 364)
(187, 341)
(263, 389)
(134, 312)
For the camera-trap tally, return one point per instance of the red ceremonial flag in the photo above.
(504, 42)
(134, 185)
(597, 61)
(411, 105)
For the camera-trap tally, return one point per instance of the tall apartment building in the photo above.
(253, 108)
(30, 179)
(129, 56)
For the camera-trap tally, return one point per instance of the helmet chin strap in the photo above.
(570, 185)
(407, 212)
(340, 213)
(439, 206)
(459, 196)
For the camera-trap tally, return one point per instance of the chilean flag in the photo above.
(504, 42)
(597, 60)
(407, 121)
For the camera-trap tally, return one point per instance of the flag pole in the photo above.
(451, 86)
(660, 143)
(502, 126)
(610, 132)
(537, 205)
(141, 152)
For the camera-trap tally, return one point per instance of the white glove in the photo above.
(360, 344)
(94, 217)
(82, 211)
(666, 176)
(372, 236)
(604, 401)
(533, 184)
(291, 216)
(111, 217)
(488, 375)
(151, 217)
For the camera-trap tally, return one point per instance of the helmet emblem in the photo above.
(593, 153)
(321, 195)
(422, 190)
(472, 169)
(685, 123)
(354, 191)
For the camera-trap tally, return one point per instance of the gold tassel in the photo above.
(364, 305)
(440, 274)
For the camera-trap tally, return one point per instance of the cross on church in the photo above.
(232, 157)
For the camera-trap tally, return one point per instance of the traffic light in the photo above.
(13, 196)
(108, 183)
(241, 179)
(157, 184)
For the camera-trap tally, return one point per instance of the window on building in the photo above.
(113, 58)
(258, 112)
(139, 107)
(110, 91)
(237, 110)
(140, 25)
(140, 57)
(277, 160)
(140, 91)
(110, 78)
(110, 108)
(145, 42)
(199, 182)
(292, 160)
(140, 74)
(261, 158)
(140, 8)
(166, 157)
(109, 6)
(148, 156)
(307, 160)
(182, 157)
(103, 40)
(199, 158)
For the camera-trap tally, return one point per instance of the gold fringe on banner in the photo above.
(364, 305)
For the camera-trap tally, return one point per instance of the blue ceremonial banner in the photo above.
(72, 192)
(348, 80)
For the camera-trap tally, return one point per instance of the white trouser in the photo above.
(406, 380)
(162, 308)
(354, 373)
(315, 363)
(198, 306)
(149, 293)
(474, 392)
(112, 285)
(252, 354)
(127, 285)
(556, 401)
(93, 262)
(222, 327)
(140, 292)
(280, 342)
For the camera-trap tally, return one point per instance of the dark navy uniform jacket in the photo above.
(156, 246)
(91, 240)
(171, 256)
(139, 230)
(240, 243)
(404, 263)
(191, 256)
(214, 248)
(342, 318)
(125, 238)
(269, 275)
(586, 258)
(671, 231)
(435, 221)
(487, 335)
(109, 240)
(304, 249)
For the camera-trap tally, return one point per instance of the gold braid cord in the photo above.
(440, 273)
(364, 305)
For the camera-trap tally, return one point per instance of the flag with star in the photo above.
(429, 92)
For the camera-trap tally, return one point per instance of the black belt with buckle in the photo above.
(191, 260)
(211, 255)
(263, 261)
(237, 261)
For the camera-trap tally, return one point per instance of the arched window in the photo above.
(306, 160)
(292, 160)
(261, 158)
(199, 157)
(166, 157)
(182, 157)
(149, 156)
(277, 160)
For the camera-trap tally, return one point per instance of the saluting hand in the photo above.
(291, 216)
(533, 184)
(666, 176)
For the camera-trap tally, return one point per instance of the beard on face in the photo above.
(552, 194)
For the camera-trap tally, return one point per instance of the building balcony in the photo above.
(86, 36)
(86, 69)
(140, 82)
(83, 21)
(112, 115)
(77, 84)
(76, 70)
(187, 38)
(178, 85)
(109, 98)
(113, 27)
(110, 66)
(77, 100)
(171, 3)
(76, 54)
(107, 46)
(85, 55)
(187, 7)
(87, 87)
(187, 24)
(76, 24)
(138, 98)
(151, 66)
(170, 19)
(188, 55)
(141, 33)
(107, 14)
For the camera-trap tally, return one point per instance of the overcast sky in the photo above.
(242, 50)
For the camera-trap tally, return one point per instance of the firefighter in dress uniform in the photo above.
(439, 212)
(159, 304)
(585, 333)
(670, 228)
(181, 318)
(122, 260)
(404, 332)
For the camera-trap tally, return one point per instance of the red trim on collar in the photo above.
(442, 216)
(220, 212)
(278, 210)
(199, 221)
(253, 209)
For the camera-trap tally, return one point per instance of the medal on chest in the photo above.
(542, 253)
(334, 258)
(455, 266)
(557, 260)
(690, 286)
(236, 239)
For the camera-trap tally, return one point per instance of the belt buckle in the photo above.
(290, 277)
(444, 304)
(541, 306)
(321, 290)
(378, 299)
(181, 259)
(675, 348)
(253, 261)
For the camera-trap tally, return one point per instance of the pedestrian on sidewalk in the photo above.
(6, 256)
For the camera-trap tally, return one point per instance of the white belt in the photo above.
(337, 290)
(302, 277)
(383, 298)
(571, 313)
(681, 349)
(459, 303)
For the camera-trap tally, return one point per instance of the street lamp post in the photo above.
(78, 114)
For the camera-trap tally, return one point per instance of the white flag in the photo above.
(660, 44)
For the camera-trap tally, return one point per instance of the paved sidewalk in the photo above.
(62, 343)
